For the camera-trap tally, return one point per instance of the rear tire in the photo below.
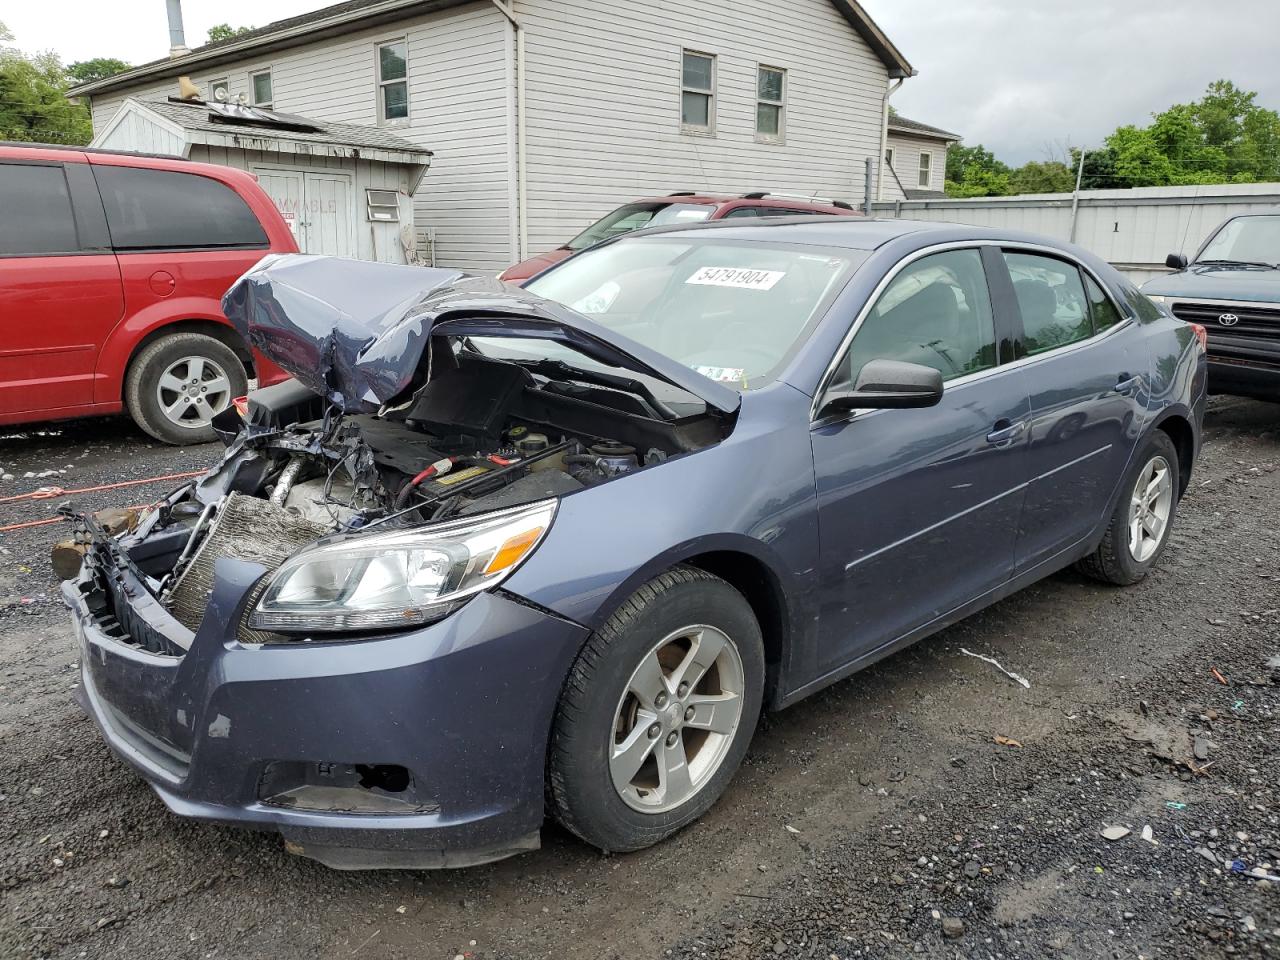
(1139, 528)
(692, 728)
(178, 383)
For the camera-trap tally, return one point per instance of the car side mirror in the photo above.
(889, 385)
(1176, 261)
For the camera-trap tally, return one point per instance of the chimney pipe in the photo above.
(177, 39)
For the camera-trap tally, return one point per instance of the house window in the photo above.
(771, 91)
(926, 168)
(261, 83)
(698, 93)
(384, 206)
(393, 81)
(219, 90)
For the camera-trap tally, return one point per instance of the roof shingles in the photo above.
(195, 116)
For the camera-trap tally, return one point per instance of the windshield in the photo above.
(633, 216)
(731, 310)
(1245, 240)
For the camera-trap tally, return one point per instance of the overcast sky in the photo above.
(1023, 77)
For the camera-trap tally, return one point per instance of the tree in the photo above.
(975, 172)
(225, 31)
(33, 102)
(1049, 176)
(99, 68)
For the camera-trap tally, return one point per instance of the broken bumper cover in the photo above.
(464, 705)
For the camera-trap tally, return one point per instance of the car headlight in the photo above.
(1156, 298)
(400, 578)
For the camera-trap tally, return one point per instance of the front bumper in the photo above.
(465, 705)
(1255, 376)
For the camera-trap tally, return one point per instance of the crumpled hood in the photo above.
(1212, 282)
(355, 332)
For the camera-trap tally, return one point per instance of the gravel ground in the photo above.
(880, 818)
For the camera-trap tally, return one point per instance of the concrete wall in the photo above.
(1133, 229)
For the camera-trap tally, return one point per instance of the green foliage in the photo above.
(1225, 137)
(975, 172)
(1049, 176)
(33, 102)
(99, 68)
(225, 31)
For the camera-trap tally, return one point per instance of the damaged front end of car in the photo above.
(418, 457)
(405, 468)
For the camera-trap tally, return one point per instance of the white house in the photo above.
(915, 159)
(543, 115)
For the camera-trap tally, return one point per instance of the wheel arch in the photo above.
(1176, 425)
(222, 332)
(741, 562)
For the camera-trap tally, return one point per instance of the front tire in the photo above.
(179, 383)
(1139, 528)
(657, 713)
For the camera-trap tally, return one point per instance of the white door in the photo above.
(329, 223)
(285, 188)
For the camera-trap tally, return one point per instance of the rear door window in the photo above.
(1051, 300)
(35, 211)
(167, 210)
(1104, 312)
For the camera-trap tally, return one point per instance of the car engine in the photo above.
(479, 435)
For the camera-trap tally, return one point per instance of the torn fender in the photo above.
(356, 332)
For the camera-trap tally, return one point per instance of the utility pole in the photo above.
(1075, 197)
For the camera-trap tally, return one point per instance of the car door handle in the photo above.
(1006, 430)
(1127, 384)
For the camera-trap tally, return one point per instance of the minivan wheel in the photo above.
(1139, 528)
(657, 713)
(179, 383)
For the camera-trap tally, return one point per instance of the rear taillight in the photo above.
(242, 405)
(1202, 335)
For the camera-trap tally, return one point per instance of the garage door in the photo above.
(329, 226)
(285, 188)
(317, 207)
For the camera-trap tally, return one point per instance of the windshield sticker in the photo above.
(723, 374)
(740, 277)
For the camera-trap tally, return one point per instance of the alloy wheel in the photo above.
(1149, 509)
(677, 718)
(192, 391)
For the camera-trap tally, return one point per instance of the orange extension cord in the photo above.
(48, 493)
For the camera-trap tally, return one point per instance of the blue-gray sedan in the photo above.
(499, 553)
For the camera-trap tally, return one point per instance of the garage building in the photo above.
(345, 190)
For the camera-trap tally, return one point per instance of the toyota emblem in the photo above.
(1228, 319)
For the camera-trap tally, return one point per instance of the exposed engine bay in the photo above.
(480, 435)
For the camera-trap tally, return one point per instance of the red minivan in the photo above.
(112, 269)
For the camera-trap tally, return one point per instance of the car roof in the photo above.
(854, 233)
(757, 199)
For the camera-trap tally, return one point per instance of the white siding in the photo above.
(603, 88)
(457, 104)
(906, 164)
(374, 241)
(136, 132)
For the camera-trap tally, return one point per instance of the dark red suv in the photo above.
(112, 267)
(675, 208)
